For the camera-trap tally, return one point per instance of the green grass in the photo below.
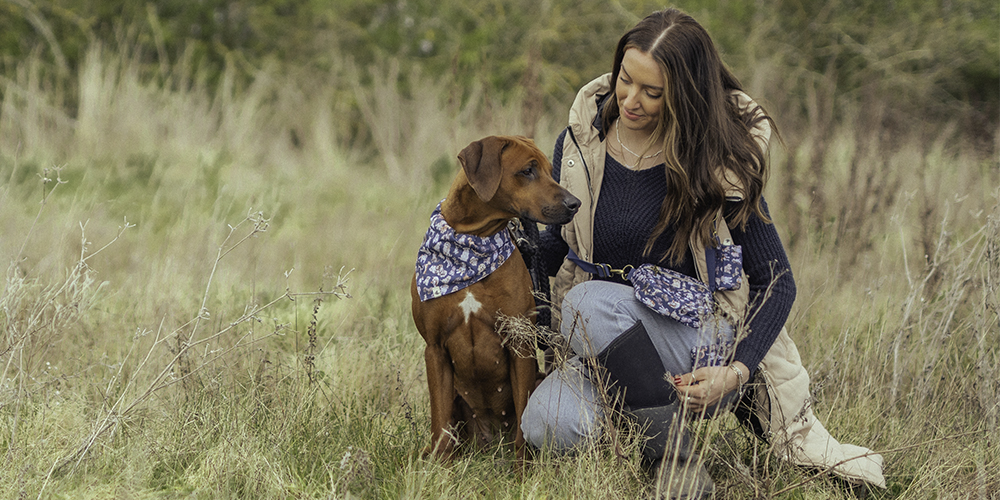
(173, 361)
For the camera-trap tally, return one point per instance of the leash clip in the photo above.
(621, 273)
(520, 236)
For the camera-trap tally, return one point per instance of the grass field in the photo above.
(206, 295)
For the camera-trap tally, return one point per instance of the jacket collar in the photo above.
(598, 123)
(584, 116)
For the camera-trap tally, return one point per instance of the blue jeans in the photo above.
(565, 410)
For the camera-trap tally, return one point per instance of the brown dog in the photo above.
(478, 386)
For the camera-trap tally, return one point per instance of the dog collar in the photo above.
(448, 261)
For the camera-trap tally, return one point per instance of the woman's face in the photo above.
(639, 91)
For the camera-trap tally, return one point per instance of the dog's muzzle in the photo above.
(562, 212)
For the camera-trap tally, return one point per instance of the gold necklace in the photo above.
(639, 157)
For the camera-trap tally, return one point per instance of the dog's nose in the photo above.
(571, 202)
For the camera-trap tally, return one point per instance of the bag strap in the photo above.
(600, 270)
(710, 267)
(606, 271)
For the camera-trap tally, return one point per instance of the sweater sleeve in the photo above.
(772, 287)
(552, 249)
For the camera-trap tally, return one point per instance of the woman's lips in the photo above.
(630, 115)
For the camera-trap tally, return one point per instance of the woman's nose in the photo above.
(631, 100)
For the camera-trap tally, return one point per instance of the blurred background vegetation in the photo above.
(927, 60)
(898, 71)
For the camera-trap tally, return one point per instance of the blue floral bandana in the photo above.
(448, 261)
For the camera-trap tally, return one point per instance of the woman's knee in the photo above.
(557, 432)
(562, 413)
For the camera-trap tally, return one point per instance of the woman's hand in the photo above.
(704, 387)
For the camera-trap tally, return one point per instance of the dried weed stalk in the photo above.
(309, 359)
(186, 339)
(35, 314)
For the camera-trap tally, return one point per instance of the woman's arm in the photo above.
(772, 292)
(772, 287)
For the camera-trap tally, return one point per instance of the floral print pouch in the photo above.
(715, 354)
(727, 270)
(672, 294)
(683, 298)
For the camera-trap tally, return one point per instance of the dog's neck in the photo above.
(464, 211)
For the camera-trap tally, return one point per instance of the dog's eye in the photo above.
(530, 171)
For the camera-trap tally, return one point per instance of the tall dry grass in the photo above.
(176, 320)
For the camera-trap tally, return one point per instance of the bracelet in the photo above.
(739, 375)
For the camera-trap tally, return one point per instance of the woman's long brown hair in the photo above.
(702, 128)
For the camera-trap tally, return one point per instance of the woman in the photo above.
(668, 155)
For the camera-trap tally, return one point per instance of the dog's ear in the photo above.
(481, 162)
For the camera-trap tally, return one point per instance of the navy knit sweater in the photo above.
(627, 211)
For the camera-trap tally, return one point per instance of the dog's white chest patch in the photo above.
(469, 305)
